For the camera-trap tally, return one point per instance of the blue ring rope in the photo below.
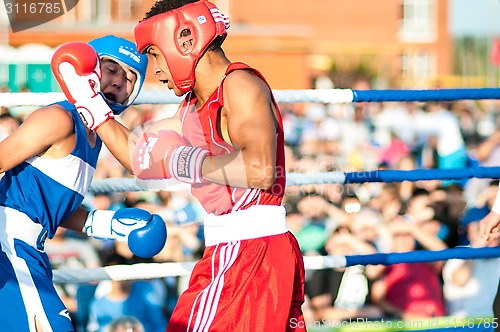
(297, 179)
(424, 95)
(422, 174)
(419, 256)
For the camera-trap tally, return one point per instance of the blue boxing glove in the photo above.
(144, 232)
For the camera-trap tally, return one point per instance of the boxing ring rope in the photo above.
(299, 179)
(160, 270)
(311, 263)
(294, 179)
(283, 96)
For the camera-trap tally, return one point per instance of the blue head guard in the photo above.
(124, 52)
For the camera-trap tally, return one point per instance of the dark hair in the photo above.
(419, 192)
(163, 6)
(9, 116)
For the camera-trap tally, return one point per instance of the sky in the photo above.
(475, 17)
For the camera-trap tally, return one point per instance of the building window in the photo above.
(101, 11)
(418, 21)
(418, 69)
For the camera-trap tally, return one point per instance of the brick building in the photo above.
(401, 43)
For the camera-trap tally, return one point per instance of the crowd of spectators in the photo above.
(327, 219)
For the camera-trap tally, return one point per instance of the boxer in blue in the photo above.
(47, 166)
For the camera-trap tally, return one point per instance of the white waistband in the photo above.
(18, 225)
(254, 222)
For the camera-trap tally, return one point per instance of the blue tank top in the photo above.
(50, 190)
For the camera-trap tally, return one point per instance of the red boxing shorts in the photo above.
(245, 285)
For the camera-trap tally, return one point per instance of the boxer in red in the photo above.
(231, 151)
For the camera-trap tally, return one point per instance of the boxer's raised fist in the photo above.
(76, 67)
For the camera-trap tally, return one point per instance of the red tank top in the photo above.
(200, 129)
(415, 288)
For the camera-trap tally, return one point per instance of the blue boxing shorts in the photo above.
(26, 288)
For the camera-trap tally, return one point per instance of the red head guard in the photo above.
(205, 22)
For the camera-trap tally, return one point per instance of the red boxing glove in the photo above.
(77, 69)
(166, 155)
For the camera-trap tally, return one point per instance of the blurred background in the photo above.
(358, 44)
(387, 43)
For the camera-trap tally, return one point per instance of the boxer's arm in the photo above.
(489, 226)
(144, 232)
(76, 67)
(252, 129)
(41, 129)
(119, 140)
(76, 221)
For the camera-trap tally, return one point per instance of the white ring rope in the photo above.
(11, 99)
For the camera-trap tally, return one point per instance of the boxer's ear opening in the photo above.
(185, 41)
